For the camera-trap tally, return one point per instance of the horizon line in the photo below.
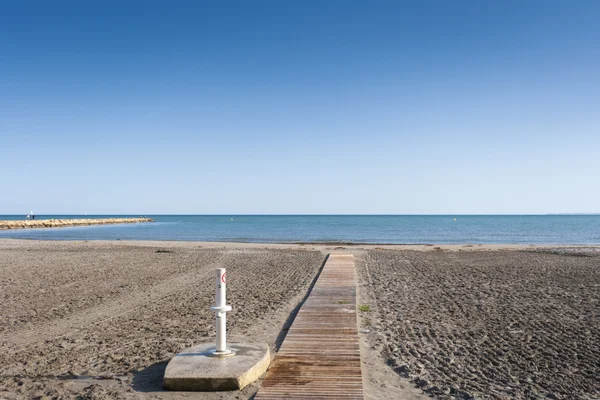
(320, 214)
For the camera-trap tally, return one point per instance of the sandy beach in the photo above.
(496, 324)
(101, 319)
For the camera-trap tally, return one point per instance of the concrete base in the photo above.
(195, 370)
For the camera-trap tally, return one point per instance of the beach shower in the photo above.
(221, 308)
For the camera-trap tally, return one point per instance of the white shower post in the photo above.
(221, 308)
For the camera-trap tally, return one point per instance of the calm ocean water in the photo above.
(442, 229)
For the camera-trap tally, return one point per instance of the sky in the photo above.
(305, 107)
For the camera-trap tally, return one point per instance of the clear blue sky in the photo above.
(299, 107)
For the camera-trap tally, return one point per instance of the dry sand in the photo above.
(495, 324)
(101, 319)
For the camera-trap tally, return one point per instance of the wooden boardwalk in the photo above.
(320, 356)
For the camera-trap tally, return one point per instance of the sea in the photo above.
(368, 229)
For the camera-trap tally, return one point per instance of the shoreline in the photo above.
(306, 245)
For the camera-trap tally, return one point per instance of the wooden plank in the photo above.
(320, 356)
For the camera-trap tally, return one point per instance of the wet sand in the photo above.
(101, 319)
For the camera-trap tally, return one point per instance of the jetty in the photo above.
(320, 355)
(58, 223)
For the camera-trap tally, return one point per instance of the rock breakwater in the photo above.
(57, 223)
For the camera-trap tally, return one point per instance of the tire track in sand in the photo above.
(107, 311)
